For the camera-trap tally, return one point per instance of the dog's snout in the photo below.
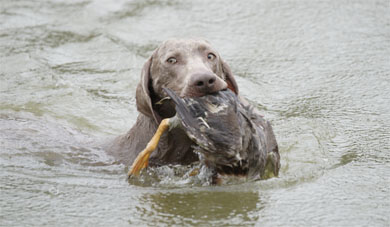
(203, 81)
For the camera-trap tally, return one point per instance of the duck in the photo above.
(229, 137)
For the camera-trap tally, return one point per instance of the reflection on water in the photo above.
(222, 207)
(318, 70)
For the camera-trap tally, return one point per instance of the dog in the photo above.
(190, 68)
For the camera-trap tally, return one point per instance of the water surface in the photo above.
(318, 70)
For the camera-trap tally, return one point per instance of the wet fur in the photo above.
(174, 147)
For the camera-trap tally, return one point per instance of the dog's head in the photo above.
(188, 67)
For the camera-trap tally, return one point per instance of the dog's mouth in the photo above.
(197, 94)
(166, 108)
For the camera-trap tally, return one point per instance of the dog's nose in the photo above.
(203, 82)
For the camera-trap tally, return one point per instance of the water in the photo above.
(318, 70)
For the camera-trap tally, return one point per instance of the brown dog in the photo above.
(189, 68)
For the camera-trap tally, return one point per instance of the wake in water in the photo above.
(195, 174)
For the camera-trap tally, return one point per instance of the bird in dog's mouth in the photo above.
(227, 140)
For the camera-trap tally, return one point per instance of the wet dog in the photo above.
(190, 68)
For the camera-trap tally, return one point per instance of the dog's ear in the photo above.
(143, 93)
(229, 78)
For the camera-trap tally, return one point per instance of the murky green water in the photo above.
(319, 70)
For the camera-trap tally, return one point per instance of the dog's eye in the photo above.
(171, 60)
(211, 56)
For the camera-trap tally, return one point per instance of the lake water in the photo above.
(318, 70)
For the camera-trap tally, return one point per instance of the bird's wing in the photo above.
(191, 116)
(212, 121)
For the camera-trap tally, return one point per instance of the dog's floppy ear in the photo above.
(229, 78)
(143, 94)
